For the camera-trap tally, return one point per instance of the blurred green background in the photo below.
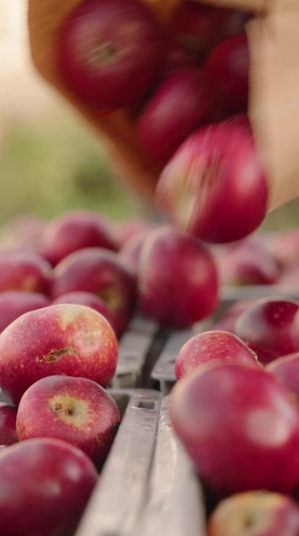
(49, 160)
(48, 167)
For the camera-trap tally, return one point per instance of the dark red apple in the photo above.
(182, 103)
(89, 300)
(74, 231)
(15, 303)
(110, 51)
(247, 263)
(214, 186)
(8, 432)
(193, 26)
(271, 323)
(255, 513)
(177, 279)
(239, 427)
(99, 272)
(211, 345)
(286, 369)
(45, 487)
(70, 340)
(21, 269)
(228, 64)
(75, 410)
(177, 57)
(229, 22)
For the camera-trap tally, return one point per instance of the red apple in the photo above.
(230, 22)
(75, 410)
(211, 345)
(70, 340)
(22, 269)
(247, 263)
(271, 323)
(199, 27)
(74, 231)
(8, 433)
(265, 355)
(228, 64)
(109, 51)
(15, 303)
(89, 300)
(176, 57)
(177, 279)
(193, 25)
(214, 186)
(99, 272)
(182, 103)
(45, 487)
(286, 369)
(239, 427)
(255, 513)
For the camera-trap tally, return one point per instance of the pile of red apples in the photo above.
(184, 85)
(68, 291)
(235, 408)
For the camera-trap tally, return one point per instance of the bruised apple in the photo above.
(89, 300)
(239, 426)
(71, 340)
(211, 345)
(76, 410)
(214, 187)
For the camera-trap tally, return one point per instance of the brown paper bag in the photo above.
(274, 101)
